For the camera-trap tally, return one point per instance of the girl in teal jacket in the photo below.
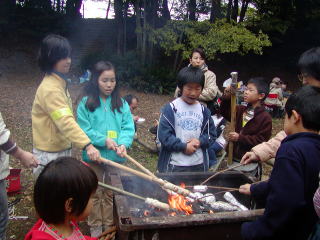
(106, 118)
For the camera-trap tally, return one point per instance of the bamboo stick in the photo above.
(151, 201)
(217, 173)
(233, 108)
(118, 190)
(161, 182)
(139, 165)
(135, 172)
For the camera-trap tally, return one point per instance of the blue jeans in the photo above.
(3, 209)
(212, 151)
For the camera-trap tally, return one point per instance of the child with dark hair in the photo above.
(54, 128)
(133, 104)
(253, 123)
(106, 118)
(210, 90)
(9, 147)
(289, 211)
(186, 129)
(309, 68)
(62, 197)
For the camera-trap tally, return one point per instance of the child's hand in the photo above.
(233, 137)
(121, 150)
(111, 144)
(136, 118)
(93, 153)
(190, 149)
(249, 157)
(195, 142)
(27, 159)
(245, 189)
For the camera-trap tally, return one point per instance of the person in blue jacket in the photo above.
(106, 118)
(289, 211)
(186, 129)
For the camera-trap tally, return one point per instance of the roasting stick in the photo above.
(163, 183)
(237, 189)
(150, 201)
(139, 165)
(217, 173)
(234, 76)
(147, 171)
(219, 187)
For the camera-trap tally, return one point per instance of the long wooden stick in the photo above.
(233, 108)
(163, 183)
(118, 190)
(139, 165)
(151, 201)
(217, 173)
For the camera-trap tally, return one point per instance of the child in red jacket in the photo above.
(253, 123)
(63, 196)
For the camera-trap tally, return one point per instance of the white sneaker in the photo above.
(96, 231)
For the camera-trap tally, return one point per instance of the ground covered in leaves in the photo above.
(17, 89)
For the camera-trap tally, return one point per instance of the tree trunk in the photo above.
(244, 8)
(138, 26)
(285, 9)
(58, 6)
(301, 12)
(235, 10)
(73, 7)
(192, 10)
(126, 6)
(215, 10)
(6, 9)
(165, 13)
(108, 9)
(118, 7)
(144, 35)
(229, 10)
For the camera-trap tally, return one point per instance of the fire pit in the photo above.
(136, 220)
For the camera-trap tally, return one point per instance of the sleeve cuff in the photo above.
(9, 147)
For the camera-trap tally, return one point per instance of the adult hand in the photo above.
(233, 136)
(93, 153)
(111, 144)
(136, 118)
(249, 157)
(121, 150)
(27, 159)
(190, 149)
(245, 189)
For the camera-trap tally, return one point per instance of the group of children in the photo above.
(187, 132)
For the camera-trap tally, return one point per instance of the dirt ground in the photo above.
(17, 90)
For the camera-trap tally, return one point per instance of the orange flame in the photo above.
(180, 202)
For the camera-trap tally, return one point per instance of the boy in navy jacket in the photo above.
(186, 128)
(289, 212)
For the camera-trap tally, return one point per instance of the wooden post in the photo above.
(234, 76)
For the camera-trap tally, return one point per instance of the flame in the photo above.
(180, 202)
(210, 211)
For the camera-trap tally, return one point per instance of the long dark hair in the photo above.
(91, 89)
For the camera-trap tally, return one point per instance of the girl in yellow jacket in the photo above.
(54, 128)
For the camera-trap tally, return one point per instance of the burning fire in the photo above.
(180, 202)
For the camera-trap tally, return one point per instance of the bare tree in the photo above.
(215, 10)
